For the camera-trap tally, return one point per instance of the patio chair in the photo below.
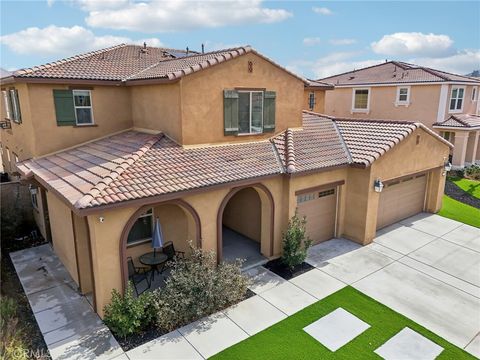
(169, 250)
(137, 274)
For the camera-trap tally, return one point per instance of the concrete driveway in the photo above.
(426, 267)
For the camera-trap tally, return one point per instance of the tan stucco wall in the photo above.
(39, 215)
(319, 101)
(423, 105)
(80, 229)
(243, 214)
(202, 98)
(469, 106)
(62, 234)
(158, 107)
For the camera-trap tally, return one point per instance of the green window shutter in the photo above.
(230, 112)
(269, 111)
(16, 111)
(64, 109)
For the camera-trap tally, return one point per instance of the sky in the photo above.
(315, 39)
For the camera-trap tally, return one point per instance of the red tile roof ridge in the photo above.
(62, 61)
(290, 151)
(85, 200)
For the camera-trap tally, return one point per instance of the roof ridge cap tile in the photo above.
(351, 71)
(85, 200)
(342, 140)
(289, 151)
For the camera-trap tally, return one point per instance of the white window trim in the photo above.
(367, 110)
(398, 102)
(8, 155)
(456, 111)
(250, 111)
(15, 106)
(311, 104)
(474, 98)
(141, 241)
(83, 107)
(8, 106)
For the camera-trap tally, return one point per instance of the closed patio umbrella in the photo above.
(157, 238)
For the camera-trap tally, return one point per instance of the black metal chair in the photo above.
(137, 274)
(169, 250)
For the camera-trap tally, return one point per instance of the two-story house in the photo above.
(446, 103)
(212, 145)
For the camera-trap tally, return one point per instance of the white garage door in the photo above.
(319, 208)
(401, 199)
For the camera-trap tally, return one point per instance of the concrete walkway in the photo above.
(69, 325)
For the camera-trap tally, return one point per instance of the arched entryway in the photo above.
(180, 224)
(245, 225)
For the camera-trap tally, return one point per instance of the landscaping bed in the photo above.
(287, 339)
(278, 267)
(463, 190)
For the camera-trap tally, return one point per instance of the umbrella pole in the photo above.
(154, 249)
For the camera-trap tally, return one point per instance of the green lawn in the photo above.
(470, 186)
(456, 210)
(287, 340)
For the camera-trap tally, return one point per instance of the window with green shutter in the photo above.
(64, 107)
(269, 111)
(230, 112)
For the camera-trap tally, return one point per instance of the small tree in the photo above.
(127, 314)
(295, 242)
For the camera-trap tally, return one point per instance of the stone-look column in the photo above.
(460, 149)
(473, 156)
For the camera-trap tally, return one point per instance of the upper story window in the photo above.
(12, 105)
(248, 111)
(73, 107)
(361, 100)
(456, 99)
(403, 95)
(311, 100)
(83, 107)
(474, 93)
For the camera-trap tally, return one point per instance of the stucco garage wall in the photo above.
(62, 233)
(80, 228)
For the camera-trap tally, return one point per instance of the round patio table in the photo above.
(154, 260)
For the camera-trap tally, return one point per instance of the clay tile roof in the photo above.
(395, 72)
(465, 121)
(317, 84)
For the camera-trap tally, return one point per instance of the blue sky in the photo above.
(315, 39)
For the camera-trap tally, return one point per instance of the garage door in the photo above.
(319, 208)
(401, 199)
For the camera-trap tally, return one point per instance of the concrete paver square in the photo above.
(451, 258)
(356, 264)
(317, 283)
(320, 254)
(76, 329)
(171, 346)
(474, 346)
(263, 279)
(441, 308)
(336, 329)
(431, 224)
(254, 314)
(213, 334)
(58, 295)
(402, 239)
(288, 298)
(408, 344)
(465, 235)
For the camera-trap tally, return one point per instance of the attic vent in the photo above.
(351, 78)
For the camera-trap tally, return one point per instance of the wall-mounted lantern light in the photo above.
(33, 190)
(446, 167)
(101, 219)
(378, 186)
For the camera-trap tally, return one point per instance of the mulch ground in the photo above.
(455, 192)
(276, 266)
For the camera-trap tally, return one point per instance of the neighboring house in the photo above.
(208, 143)
(401, 91)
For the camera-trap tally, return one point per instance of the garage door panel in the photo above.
(400, 200)
(320, 211)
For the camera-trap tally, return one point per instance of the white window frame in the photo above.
(141, 241)
(15, 106)
(8, 155)
(474, 96)
(456, 111)
(8, 105)
(355, 110)
(250, 111)
(83, 107)
(399, 102)
(311, 102)
(34, 198)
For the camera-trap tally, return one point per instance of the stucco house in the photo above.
(446, 103)
(209, 144)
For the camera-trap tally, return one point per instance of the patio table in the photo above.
(154, 260)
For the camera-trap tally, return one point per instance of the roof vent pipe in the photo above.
(144, 45)
(203, 49)
(187, 50)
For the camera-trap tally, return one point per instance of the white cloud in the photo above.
(178, 15)
(310, 41)
(50, 3)
(98, 5)
(322, 10)
(342, 41)
(414, 44)
(213, 46)
(54, 40)
(463, 62)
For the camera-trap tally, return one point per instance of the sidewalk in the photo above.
(70, 327)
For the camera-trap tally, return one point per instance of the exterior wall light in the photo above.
(101, 219)
(33, 190)
(446, 167)
(378, 186)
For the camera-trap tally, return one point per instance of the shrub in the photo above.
(11, 344)
(472, 172)
(127, 314)
(197, 287)
(295, 242)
